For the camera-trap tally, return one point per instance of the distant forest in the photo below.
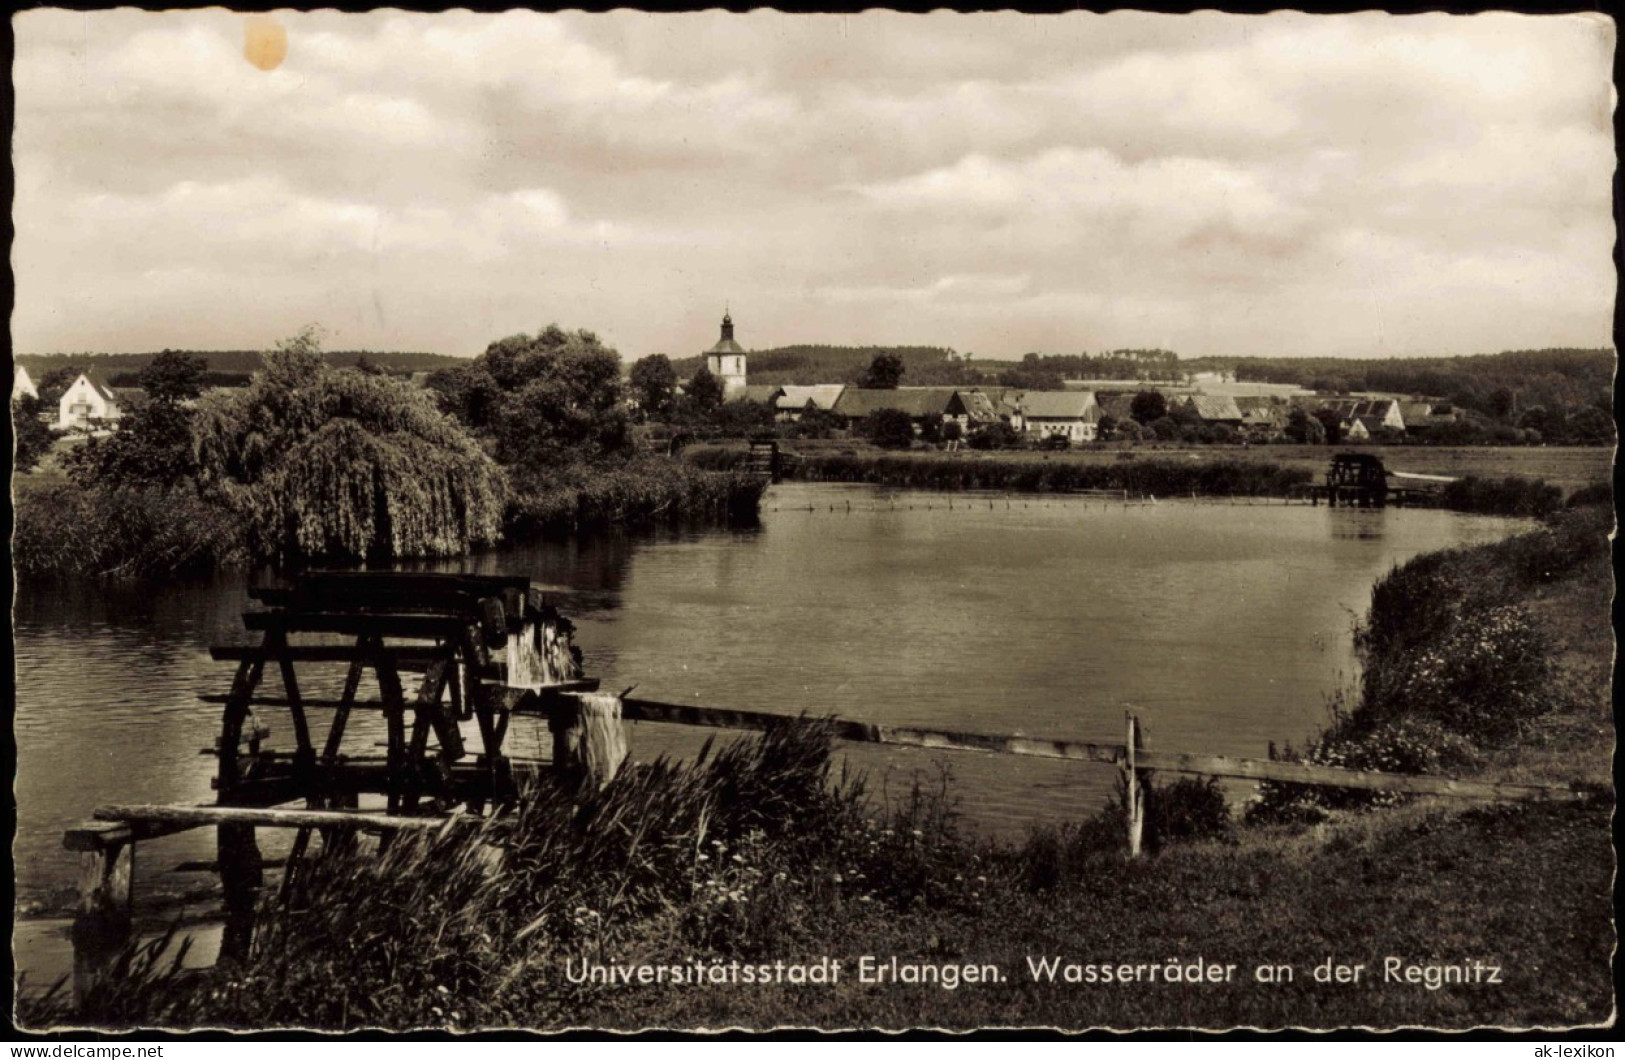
(1493, 383)
(803, 365)
(225, 367)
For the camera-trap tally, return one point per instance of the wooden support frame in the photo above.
(1133, 788)
(104, 921)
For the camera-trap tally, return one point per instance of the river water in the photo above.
(1223, 626)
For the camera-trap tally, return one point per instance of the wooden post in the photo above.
(1135, 796)
(589, 740)
(103, 925)
(241, 877)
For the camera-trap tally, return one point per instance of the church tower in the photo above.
(726, 360)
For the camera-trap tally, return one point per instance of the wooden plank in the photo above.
(1112, 754)
(1331, 777)
(269, 817)
(379, 590)
(404, 657)
(864, 732)
(426, 627)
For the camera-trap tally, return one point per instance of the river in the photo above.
(1224, 626)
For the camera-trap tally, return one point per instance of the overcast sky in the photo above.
(1361, 185)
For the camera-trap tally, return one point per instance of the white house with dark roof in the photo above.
(86, 404)
(1073, 414)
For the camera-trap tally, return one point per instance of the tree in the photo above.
(704, 391)
(889, 428)
(1304, 428)
(468, 393)
(1501, 403)
(33, 435)
(1591, 426)
(553, 397)
(1330, 423)
(1106, 429)
(1148, 406)
(173, 377)
(330, 463)
(885, 372)
(153, 445)
(654, 384)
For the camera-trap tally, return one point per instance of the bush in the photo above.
(889, 428)
(1483, 679)
(995, 436)
(1596, 493)
(1513, 496)
(1405, 745)
(1055, 443)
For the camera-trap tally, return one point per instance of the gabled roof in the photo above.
(97, 383)
(760, 392)
(976, 405)
(823, 396)
(1215, 407)
(855, 402)
(1060, 405)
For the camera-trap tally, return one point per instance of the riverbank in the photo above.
(754, 857)
(1207, 471)
(65, 530)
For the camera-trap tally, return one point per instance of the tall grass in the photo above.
(63, 529)
(643, 491)
(1163, 478)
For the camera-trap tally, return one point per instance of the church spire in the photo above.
(727, 325)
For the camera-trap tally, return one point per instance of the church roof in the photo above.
(725, 346)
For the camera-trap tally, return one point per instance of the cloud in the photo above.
(1000, 182)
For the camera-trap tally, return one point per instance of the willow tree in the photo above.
(334, 463)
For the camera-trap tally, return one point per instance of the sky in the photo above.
(1281, 185)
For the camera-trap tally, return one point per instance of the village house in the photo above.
(1420, 417)
(795, 401)
(1262, 417)
(87, 404)
(970, 409)
(1074, 415)
(920, 403)
(22, 386)
(1215, 409)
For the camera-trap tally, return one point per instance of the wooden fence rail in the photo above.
(589, 746)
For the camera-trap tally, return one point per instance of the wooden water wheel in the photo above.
(475, 648)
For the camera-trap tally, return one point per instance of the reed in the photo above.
(638, 492)
(937, 471)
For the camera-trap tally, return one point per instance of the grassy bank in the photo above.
(757, 854)
(967, 471)
(1200, 472)
(66, 530)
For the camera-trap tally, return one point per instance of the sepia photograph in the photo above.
(959, 522)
